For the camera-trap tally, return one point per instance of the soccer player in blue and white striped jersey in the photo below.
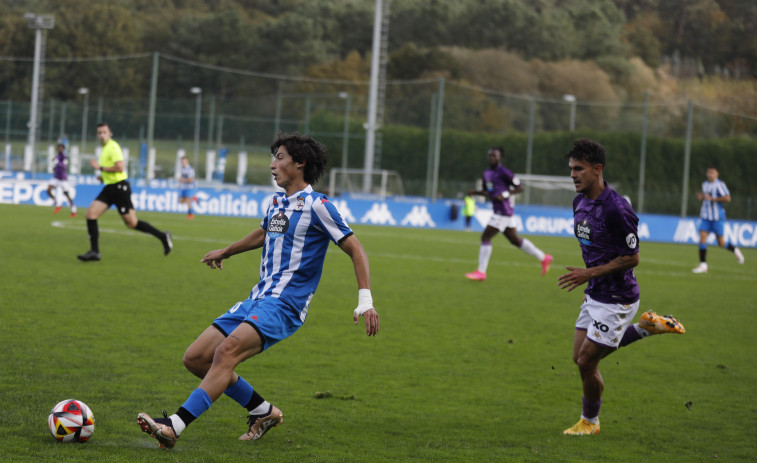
(187, 186)
(294, 236)
(712, 217)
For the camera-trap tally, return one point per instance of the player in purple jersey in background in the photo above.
(60, 180)
(606, 228)
(294, 236)
(498, 185)
(713, 194)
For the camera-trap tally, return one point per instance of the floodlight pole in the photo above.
(198, 106)
(572, 100)
(153, 100)
(36, 22)
(346, 132)
(84, 91)
(370, 126)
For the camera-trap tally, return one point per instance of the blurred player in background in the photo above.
(187, 186)
(712, 217)
(469, 208)
(60, 180)
(116, 191)
(606, 228)
(499, 184)
(294, 235)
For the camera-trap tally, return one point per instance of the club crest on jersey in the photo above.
(584, 233)
(278, 225)
(275, 202)
(300, 204)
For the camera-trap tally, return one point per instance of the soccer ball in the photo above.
(71, 421)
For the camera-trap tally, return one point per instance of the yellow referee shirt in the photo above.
(108, 158)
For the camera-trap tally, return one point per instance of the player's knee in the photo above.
(586, 365)
(196, 363)
(225, 354)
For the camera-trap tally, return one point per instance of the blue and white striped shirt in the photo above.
(712, 210)
(187, 173)
(298, 231)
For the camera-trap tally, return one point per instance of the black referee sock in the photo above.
(94, 235)
(702, 255)
(145, 227)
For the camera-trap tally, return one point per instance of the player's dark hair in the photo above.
(103, 124)
(500, 149)
(589, 151)
(303, 148)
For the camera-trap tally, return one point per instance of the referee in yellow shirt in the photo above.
(116, 191)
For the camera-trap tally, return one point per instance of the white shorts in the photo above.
(63, 184)
(605, 323)
(500, 222)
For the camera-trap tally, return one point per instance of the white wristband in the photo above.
(364, 301)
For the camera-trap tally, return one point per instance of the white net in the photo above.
(547, 190)
(380, 182)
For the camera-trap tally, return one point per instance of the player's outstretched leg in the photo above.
(477, 275)
(260, 424)
(582, 428)
(739, 255)
(167, 243)
(660, 324)
(545, 263)
(159, 428)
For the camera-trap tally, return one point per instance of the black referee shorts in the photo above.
(118, 194)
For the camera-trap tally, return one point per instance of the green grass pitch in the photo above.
(460, 370)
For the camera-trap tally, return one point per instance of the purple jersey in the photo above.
(496, 182)
(607, 228)
(59, 171)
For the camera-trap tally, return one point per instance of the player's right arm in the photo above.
(214, 259)
(577, 276)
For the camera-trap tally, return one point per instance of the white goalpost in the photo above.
(382, 182)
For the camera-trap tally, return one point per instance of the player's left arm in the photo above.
(352, 247)
(517, 186)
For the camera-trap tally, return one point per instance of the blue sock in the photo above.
(198, 402)
(241, 391)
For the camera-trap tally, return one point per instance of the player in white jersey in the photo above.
(187, 186)
(294, 236)
(713, 194)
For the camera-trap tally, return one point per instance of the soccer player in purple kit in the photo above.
(60, 180)
(499, 184)
(294, 236)
(606, 228)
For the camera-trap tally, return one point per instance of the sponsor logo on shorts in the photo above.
(601, 326)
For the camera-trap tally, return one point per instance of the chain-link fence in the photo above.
(435, 133)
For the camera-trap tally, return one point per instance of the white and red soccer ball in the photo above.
(71, 421)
